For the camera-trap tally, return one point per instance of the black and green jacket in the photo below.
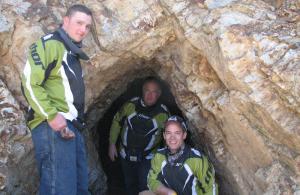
(140, 128)
(52, 80)
(190, 174)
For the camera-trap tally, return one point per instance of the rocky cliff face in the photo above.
(233, 67)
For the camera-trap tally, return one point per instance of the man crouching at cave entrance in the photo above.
(139, 122)
(179, 169)
(53, 85)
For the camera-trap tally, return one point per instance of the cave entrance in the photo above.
(112, 170)
(123, 84)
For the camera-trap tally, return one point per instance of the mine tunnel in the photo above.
(112, 170)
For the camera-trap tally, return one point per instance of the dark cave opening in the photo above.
(113, 170)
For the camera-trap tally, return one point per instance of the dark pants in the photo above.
(135, 175)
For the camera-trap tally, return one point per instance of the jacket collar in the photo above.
(75, 47)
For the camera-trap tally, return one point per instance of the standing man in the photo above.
(53, 85)
(140, 122)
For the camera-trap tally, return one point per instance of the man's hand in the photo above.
(112, 152)
(58, 123)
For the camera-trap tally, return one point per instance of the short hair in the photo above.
(152, 79)
(78, 8)
(176, 119)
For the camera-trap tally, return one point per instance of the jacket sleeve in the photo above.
(205, 173)
(152, 179)
(117, 123)
(33, 77)
(161, 119)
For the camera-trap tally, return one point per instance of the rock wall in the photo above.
(233, 67)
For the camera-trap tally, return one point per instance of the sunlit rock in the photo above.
(232, 66)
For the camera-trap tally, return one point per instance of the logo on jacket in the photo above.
(35, 56)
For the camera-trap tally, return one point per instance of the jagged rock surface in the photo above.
(233, 67)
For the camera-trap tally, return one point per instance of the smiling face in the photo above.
(174, 136)
(77, 25)
(151, 93)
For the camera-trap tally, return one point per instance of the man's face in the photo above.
(77, 25)
(174, 136)
(151, 93)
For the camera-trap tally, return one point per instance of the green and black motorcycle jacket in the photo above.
(52, 80)
(190, 173)
(140, 127)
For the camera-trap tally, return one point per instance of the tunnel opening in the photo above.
(113, 170)
(125, 84)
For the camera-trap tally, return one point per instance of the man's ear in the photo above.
(66, 20)
(184, 135)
